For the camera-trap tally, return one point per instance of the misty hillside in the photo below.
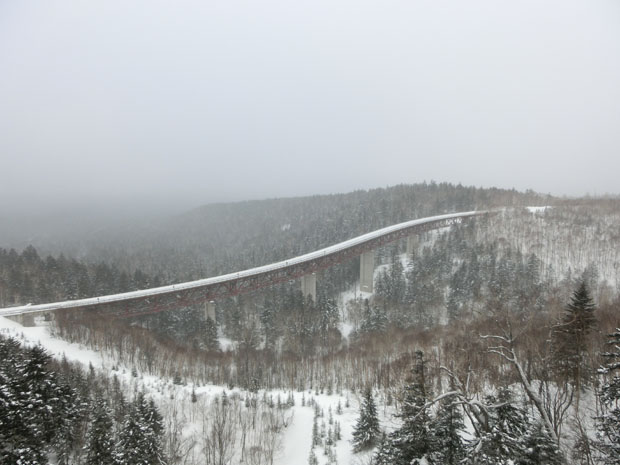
(220, 238)
(420, 331)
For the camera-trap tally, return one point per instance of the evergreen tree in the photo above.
(316, 438)
(452, 306)
(397, 280)
(131, 448)
(210, 335)
(153, 418)
(37, 406)
(268, 319)
(507, 425)
(570, 339)
(71, 424)
(20, 432)
(140, 438)
(312, 460)
(100, 439)
(386, 453)
(538, 448)
(411, 441)
(445, 434)
(608, 424)
(374, 320)
(366, 431)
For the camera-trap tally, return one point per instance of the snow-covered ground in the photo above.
(297, 437)
(56, 347)
(566, 240)
(537, 209)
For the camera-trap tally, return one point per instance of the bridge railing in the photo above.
(258, 277)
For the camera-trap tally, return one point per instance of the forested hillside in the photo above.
(485, 343)
(219, 238)
(27, 277)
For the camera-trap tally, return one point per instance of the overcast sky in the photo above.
(202, 101)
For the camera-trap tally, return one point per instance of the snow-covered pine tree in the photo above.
(447, 445)
(397, 279)
(19, 441)
(154, 419)
(131, 448)
(367, 431)
(501, 442)
(140, 439)
(37, 406)
(608, 423)
(386, 453)
(411, 441)
(328, 311)
(316, 437)
(312, 459)
(570, 339)
(71, 422)
(100, 438)
(210, 335)
(269, 323)
(538, 448)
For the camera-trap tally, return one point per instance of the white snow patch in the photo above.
(56, 347)
(226, 344)
(345, 328)
(537, 209)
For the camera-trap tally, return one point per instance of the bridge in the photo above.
(207, 291)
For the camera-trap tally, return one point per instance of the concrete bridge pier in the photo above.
(367, 270)
(412, 245)
(24, 319)
(308, 286)
(210, 310)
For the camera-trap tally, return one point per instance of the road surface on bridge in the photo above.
(202, 290)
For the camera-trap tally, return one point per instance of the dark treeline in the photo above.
(27, 277)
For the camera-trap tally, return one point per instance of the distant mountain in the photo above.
(223, 237)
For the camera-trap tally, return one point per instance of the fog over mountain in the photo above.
(193, 102)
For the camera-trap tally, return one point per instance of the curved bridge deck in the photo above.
(204, 290)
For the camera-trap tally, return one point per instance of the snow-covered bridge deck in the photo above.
(204, 290)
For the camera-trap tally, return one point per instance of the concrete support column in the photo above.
(367, 269)
(412, 245)
(25, 319)
(28, 320)
(308, 286)
(210, 310)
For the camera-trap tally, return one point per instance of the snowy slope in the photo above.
(295, 443)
